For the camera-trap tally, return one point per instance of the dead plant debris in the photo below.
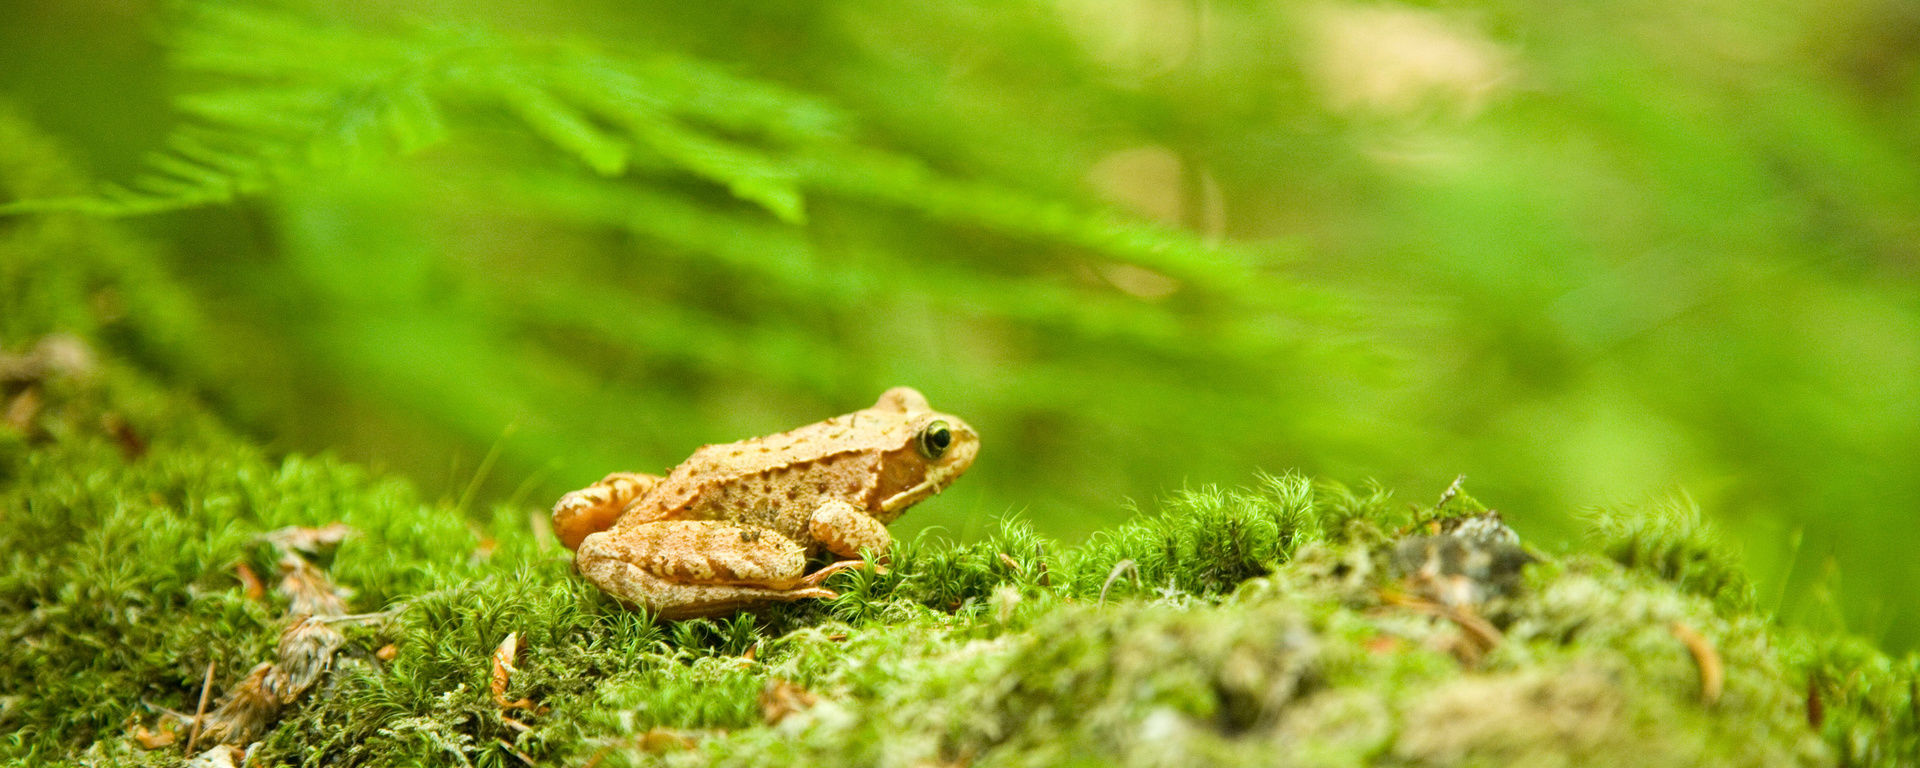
(163, 734)
(503, 670)
(312, 541)
(309, 591)
(1712, 672)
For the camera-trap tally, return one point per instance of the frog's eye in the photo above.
(933, 440)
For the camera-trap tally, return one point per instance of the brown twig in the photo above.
(199, 712)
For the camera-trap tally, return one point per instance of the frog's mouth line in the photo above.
(934, 483)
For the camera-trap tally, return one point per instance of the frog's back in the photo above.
(853, 433)
(768, 479)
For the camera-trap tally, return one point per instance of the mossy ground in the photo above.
(1258, 625)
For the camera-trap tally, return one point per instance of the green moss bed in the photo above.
(1291, 621)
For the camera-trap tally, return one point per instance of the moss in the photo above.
(1866, 704)
(1670, 539)
(121, 588)
(1251, 623)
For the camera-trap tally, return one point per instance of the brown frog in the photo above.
(732, 527)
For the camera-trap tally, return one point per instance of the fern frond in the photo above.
(295, 97)
(288, 97)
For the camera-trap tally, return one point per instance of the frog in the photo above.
(733, 527)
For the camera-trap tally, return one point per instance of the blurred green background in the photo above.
(1583, 254)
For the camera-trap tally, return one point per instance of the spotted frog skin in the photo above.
(732, 527)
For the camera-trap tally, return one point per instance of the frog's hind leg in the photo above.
(681, 569)
(597, 507)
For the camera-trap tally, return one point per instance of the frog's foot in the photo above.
(681, 569)
(597, 507)
(673, 601)
(814, 579)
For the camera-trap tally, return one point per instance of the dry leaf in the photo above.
(503, 672)
(250, 584)
(246, 710)
(165, 736)
(782, 698)
(312, 541)
(306, 653)
(308, 590)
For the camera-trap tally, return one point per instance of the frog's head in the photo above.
(926, 451)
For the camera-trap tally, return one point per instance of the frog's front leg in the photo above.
(597, 507)
(681, 569)
(845, 530)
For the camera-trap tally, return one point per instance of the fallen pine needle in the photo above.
(1482, 633)
(199, 712)
(1816, 711)
(1712, 672)
(515, 751)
